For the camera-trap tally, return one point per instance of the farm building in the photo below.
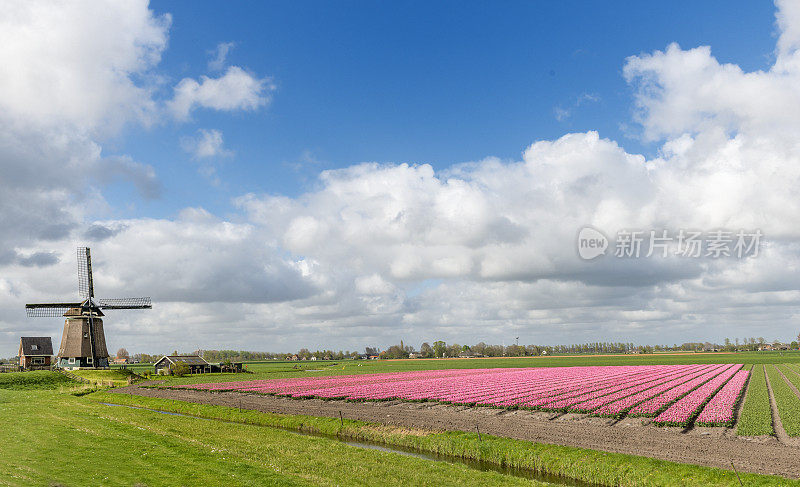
(35, 353)
(196, 364)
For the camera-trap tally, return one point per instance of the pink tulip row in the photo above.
(315, 382)
(561, 403)
(654, 406)
(481, 386)
(720, 410)
(683, 411)
(464, 390)
(679, 391)
(619, 406)
(596, 401)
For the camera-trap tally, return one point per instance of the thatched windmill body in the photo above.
(83, 344)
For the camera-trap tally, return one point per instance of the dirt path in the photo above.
(702, 446)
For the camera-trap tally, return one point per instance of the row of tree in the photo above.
(440, 349)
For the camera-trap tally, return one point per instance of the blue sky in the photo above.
(357, 173)
(416, 82)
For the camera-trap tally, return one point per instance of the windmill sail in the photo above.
(85, 281)
(49, 310)
(124, 303)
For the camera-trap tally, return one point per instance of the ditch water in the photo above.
(480, 465)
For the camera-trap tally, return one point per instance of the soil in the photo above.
(712, 447)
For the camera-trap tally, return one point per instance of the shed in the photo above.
(196, 363)
(35, 353)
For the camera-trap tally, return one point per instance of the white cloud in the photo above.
(207, 144)
(235, 90)
(481, 251)
(64, 63)
(562, 114)
(220, 56)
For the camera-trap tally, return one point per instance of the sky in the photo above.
(344, 174)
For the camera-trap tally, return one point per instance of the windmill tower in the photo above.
(83, 344)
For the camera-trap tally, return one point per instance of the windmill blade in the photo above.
(85, 281)
(49, 310)
(124, 303)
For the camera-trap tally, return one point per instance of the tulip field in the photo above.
(675, 395)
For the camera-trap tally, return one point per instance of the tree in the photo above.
(181, 368)
(123, 353)
(371, 351)
(453, 350)
(394, 352)
(439, 348)
(425, 350)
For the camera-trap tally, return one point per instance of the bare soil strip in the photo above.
(701, 446)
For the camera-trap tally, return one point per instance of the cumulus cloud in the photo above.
(62, 63)
(235, 90)
(480, 251)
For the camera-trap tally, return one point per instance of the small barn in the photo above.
(35, 353)
(196, 364)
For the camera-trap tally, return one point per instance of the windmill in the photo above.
(83, 344)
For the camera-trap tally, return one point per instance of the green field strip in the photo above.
(793, 377)
(787, 401)
(756, 418)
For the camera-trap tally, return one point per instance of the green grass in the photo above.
(75, 442)
(138, 368)
(281, 369)
(756, 418)
(787, 401)
(38, 379)
(114, 377)
(793, 403)
(596, 467)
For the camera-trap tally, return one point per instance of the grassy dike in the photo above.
(591, 466)
(51, 438)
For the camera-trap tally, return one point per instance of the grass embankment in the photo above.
(72, 441)
(113, 377)
(592, 466)
(280, 369)
(39, 379)
(785, 398)
(756, 418)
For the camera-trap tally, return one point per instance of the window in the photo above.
(88, 360)
(34, 347)
(71, 360)
(86, 335)
(38, 360)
